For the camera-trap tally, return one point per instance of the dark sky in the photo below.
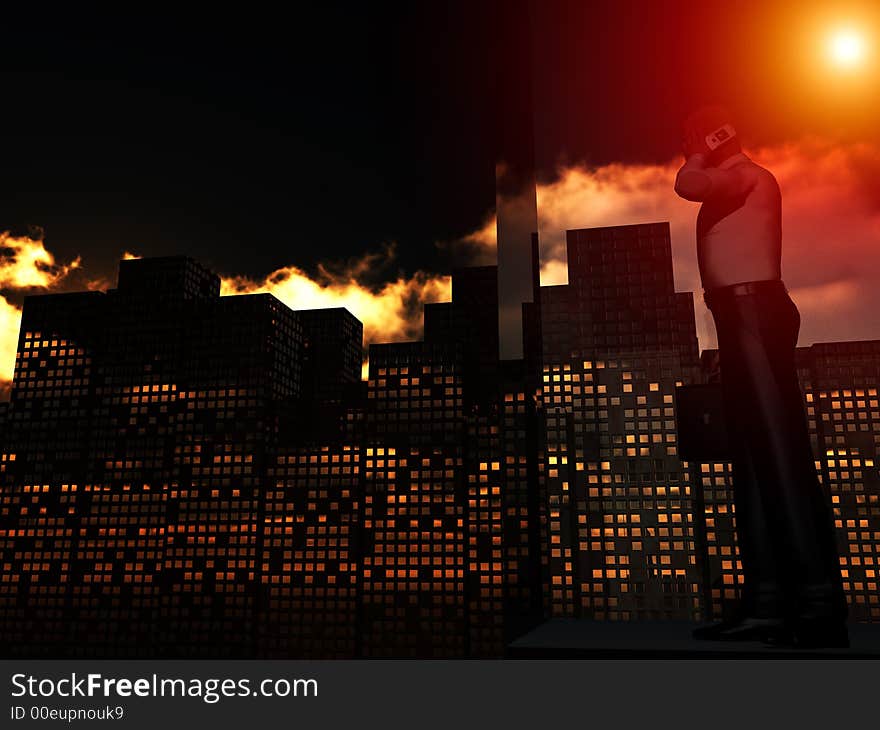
(266, 135)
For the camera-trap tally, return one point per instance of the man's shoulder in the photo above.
(765, 178)
(759, 174)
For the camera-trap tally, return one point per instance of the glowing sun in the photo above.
(846, 48)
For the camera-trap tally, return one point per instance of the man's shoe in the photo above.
(747, 628)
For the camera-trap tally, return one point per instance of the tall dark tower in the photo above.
(515, 200)
(619, 535)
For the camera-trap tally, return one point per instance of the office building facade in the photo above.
(618, 506)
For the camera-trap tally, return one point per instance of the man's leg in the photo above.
(763, 594)
(778, 441)
(762, 605)
(817, 586)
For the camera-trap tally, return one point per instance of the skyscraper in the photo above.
(309, 557)
(450, 434)
(332, 352)
(516, 208)
(414, 514)
(618, 536)
(470, 323)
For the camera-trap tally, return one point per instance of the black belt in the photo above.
(742, 289)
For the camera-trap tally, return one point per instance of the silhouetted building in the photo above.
(333, 352)
(620, 297)
(167, 278)
(332, 359)
(470, 323)
(516, 446)
(4, 417)
(516, 208)
(414, 531)
(617, 508)
(309, 565)
(449, 540)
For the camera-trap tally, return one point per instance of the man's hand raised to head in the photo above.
(697, 181)
(693, 144)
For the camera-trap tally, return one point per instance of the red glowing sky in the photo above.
(611, 87)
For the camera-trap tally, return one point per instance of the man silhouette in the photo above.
(792, 592)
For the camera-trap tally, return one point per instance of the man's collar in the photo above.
(733, 160)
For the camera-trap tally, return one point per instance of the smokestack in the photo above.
(515, 198)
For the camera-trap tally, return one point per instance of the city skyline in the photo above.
(832, 310)
(261, 491)
(351, 354)
(403, 350)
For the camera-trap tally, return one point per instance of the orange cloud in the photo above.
(10, 321)
(25, 264)
(831, 229)
(391, 311)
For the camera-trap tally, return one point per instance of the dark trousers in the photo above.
(783, 520)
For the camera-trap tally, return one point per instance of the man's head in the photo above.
(703, 122)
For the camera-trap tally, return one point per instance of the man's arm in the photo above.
(697, 182)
